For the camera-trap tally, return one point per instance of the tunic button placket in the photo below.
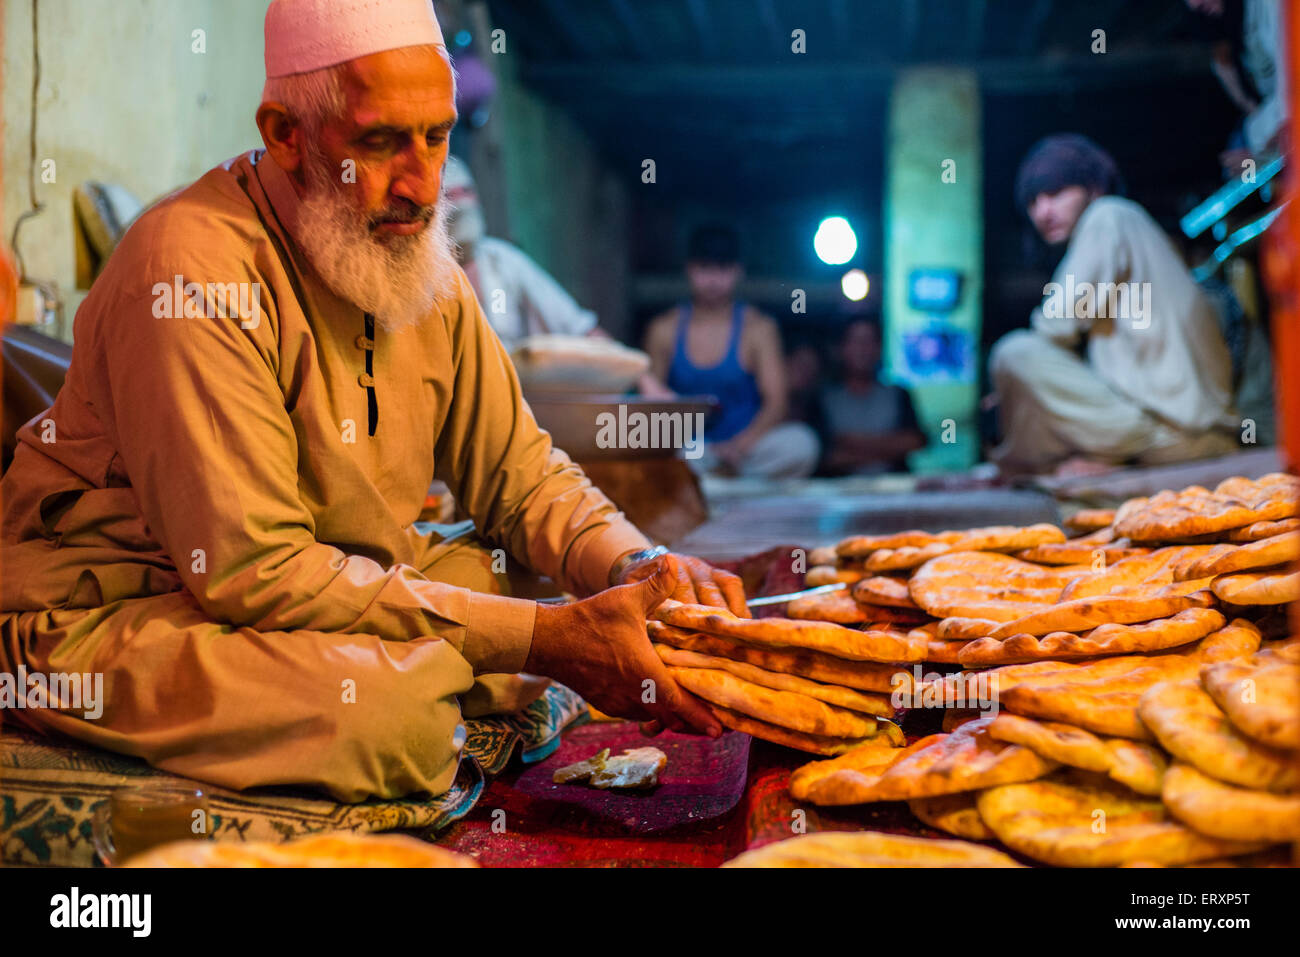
(366, 380)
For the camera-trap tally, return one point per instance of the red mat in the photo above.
(717, 798)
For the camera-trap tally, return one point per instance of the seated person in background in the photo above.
(715, 345)
(1153, 384)
(803, 376)
(519, 297)
(870, 425)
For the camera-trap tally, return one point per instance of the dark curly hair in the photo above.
(1066, 159)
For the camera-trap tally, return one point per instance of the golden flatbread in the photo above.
(1140, 766)
(902, 549)
(1111, 639)
(870, 849)
(987, 585)
(1224, 559)
(868, 760)
(964, 629)
(825, 555)
(953, 814)
(1082, 820)
(965, 760)
(859, 546)
(875, 645)
(831, 575)
(841, 608)
(1085, 613)
(836, 606)
(905, 558)
(788, 709)
(1222, 810)
(331, 849)
(1102, 696)
(942, 652)
(1260, 696)
(884, 590)
(889, 736)
(1236, 502)
(1090, 519)
(1136, 574)
(1270, 587)
(1257, 530)
(994, 539)
(874, 704)
(1191, 727)
(828, 669)
(1079, 551)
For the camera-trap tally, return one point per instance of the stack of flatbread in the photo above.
(1155, 574)
(1147, 710)
(814, 686)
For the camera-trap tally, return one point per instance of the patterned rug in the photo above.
(49, 788)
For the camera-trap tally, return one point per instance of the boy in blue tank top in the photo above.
(717, 345)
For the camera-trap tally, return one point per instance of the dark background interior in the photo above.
(742, 131)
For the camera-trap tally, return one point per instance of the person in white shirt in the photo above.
(1124, 360)
(519, 297)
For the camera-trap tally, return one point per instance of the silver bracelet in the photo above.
(635, 558)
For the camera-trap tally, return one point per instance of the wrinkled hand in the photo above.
(599, 648)
(695, 582)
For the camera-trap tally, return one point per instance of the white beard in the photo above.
(398, 282)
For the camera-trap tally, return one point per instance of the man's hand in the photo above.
(695, 582)
(599, 648)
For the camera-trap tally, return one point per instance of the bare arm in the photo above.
(659, 340)
(761, 354)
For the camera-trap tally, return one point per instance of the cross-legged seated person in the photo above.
(1152, 383)
(716, 345)
(219, 512)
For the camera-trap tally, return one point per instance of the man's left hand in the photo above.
(698, 582)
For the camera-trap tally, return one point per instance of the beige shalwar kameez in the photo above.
(219, 514)
(1154, 383)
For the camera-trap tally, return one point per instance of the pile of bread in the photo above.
(815, 686)
(1127, 696)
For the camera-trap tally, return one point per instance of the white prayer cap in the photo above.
(306, 35)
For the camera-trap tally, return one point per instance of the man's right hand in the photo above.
(599, 648)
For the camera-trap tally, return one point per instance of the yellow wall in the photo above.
(122, 98)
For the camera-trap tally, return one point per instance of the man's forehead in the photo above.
(408, 86)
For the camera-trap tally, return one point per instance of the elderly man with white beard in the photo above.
(219, 513)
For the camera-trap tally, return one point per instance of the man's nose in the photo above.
(419, 179)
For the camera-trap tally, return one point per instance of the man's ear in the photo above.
(282, 136)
